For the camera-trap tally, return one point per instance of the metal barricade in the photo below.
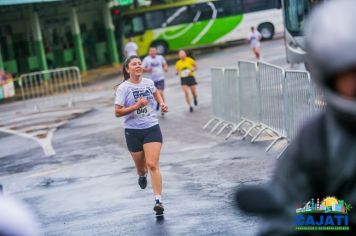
(298, 100)
(265, 97)
(217, 76)
(271, 80)
(63, 82)
(249, 95)
(230, 105)
(319, 102)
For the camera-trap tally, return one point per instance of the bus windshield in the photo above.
(295, 12)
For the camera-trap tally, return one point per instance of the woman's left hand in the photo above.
(164, 107)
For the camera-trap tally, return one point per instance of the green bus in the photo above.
(191, 24)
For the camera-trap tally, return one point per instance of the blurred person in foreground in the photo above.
(321, 161)
(16, 219)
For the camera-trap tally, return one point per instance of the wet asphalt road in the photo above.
(90, 186)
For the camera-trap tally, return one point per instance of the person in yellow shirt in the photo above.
(186, 68)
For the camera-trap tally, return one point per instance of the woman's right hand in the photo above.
(141, 102)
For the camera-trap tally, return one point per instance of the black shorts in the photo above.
(136, 138)
(159, 84)
(190, 81)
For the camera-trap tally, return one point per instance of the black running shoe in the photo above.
(195, 101)
(158, 208)
(142, 181)
(191, 109)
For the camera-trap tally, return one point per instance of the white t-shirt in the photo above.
(254, 38)
(156, 64)
(127, 94)
(131, 48)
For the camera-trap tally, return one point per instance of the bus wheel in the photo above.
(161, 46)
(266, 30)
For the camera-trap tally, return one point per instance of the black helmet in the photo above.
(331, 46)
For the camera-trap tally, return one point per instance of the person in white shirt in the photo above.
(135, 100)
(130, 48)
(156, 65)
(254, 38)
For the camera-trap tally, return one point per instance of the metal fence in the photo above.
(248, 94)
(263, 97)
(64, 83)
(299, 94)
(217, 77)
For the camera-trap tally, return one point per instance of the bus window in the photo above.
(204, 10)
(228, 8)
(137, 24)
(178, 15)
(259, 5)
(295, 14)
(154, 19)
(127, 27)
(134, 26)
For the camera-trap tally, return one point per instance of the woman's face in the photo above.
(135, 68)
(182, 54)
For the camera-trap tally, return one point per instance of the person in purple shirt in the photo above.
(156, 65)
(135, 100)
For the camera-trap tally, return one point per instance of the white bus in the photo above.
(198, 23)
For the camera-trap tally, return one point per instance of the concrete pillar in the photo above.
(78, 45)
(37, 35)
(110, 32)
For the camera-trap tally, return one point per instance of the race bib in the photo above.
(143, 111)
(155, 70)
(185, 73)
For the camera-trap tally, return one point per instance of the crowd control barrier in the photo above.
(264, 98)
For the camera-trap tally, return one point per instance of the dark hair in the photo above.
(126, 66)
(190, 54)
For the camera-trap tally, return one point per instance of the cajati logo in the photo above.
(329, 214)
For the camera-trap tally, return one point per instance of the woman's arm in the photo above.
(147, 69)
(165, 67)
(194, 66)
(122, 111)
(159, 100)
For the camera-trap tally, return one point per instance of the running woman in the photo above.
(156, 65)
(186, 68)
(254, 38)
(136, 99)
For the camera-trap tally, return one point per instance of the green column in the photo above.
(78, 42)
(1, 61)
(110, 32)
(37, 35)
